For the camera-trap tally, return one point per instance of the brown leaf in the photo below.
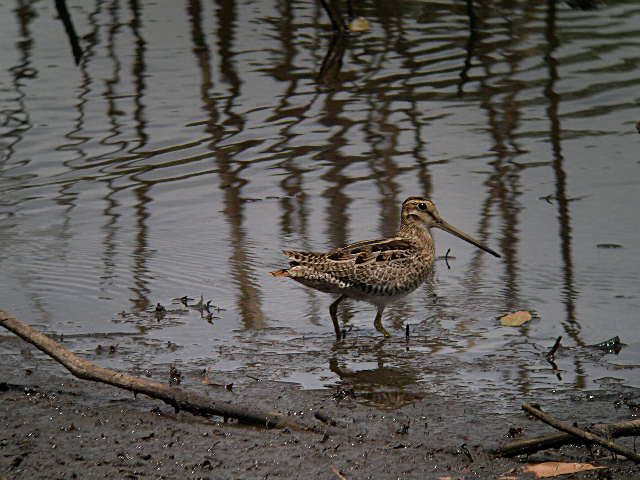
(515, 319)
(359, 24)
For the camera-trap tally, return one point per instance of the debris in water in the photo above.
(608, 245)
(359, 25)
(160, 311)
(515, 319)
(613, 345)
(184, 300)
(550, 357)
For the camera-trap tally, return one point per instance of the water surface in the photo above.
(155, 150)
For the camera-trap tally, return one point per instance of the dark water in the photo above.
(192, 141)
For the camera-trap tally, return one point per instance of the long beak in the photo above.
(459, 233)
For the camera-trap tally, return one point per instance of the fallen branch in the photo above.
(587, 437)
(178, 398)
(557, 440)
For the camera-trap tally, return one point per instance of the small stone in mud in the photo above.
(69, 428)
(638, 127)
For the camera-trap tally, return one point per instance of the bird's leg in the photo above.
(378, 323)
(333, 310)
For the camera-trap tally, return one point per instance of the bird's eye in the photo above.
(422, 206)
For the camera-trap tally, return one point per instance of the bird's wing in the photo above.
(370, 250)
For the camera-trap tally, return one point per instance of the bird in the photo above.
(377, 271)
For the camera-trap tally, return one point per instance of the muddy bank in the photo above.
(56, 427)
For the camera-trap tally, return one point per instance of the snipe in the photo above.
(376, 271)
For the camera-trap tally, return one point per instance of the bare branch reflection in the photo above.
(67, 21)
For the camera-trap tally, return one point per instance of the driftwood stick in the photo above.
(180, 399)
(556, 440)
(582, 434)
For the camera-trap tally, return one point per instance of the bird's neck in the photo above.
(417, 233)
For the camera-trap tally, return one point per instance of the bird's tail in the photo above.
(283, 272)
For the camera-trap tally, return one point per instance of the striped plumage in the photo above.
(376, 271)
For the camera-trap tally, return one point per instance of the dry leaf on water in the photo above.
(359, 24)
(515, 319)
(550, 469)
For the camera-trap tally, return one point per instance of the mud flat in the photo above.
(53, 426)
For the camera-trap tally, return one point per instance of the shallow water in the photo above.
(191, 142)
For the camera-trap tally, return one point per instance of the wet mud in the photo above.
(68, 428)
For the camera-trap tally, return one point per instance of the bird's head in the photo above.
(423, 211)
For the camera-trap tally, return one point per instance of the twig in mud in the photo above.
(446, 258)
(463, 449)
(556, 440)
(325, 418)
(338, 473)
(578, 432)
(176, 397)
(406, 332)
